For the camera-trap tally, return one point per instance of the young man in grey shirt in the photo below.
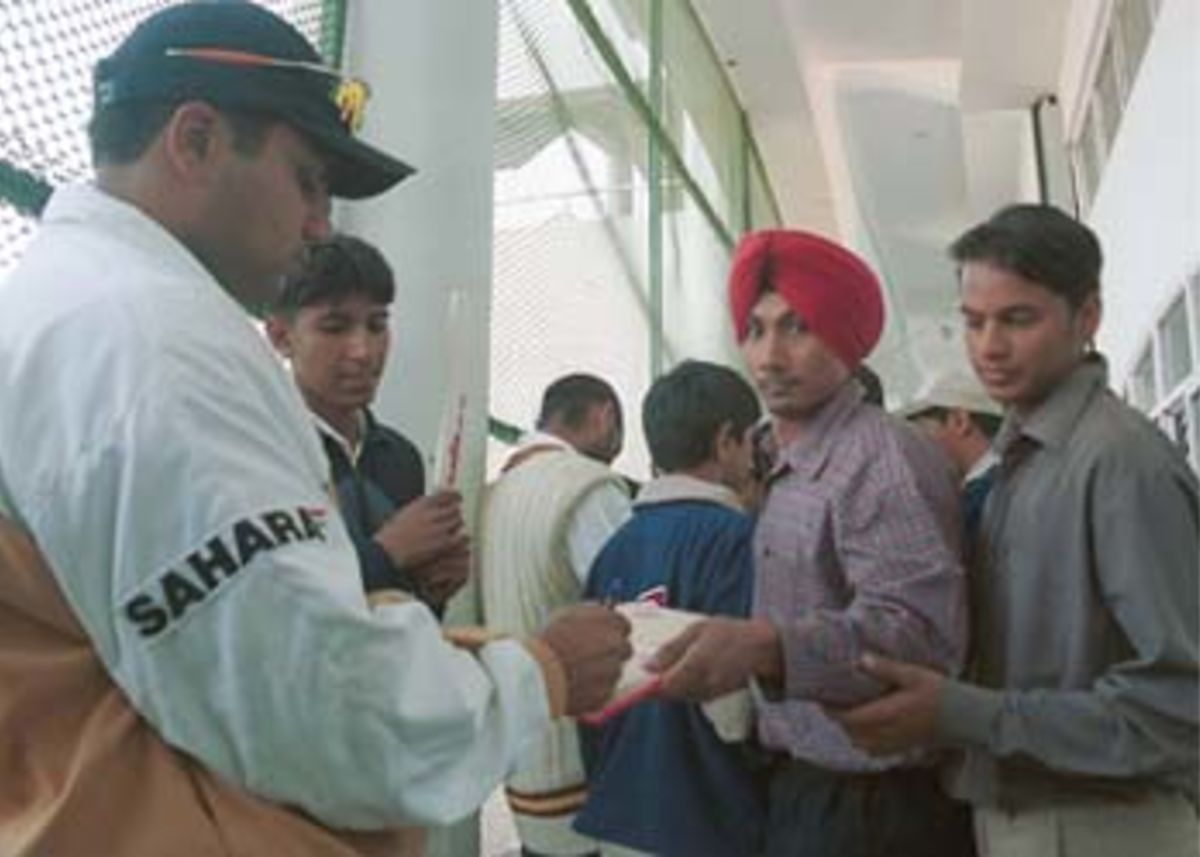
(1078, 719)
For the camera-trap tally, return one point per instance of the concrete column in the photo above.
(431, 66)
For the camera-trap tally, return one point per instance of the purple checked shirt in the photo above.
(856, 550)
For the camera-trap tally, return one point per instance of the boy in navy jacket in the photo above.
(660, 779)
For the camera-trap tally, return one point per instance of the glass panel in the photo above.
(1194, 288)
(695, 266)
(1143, 391)
(1176, 345)
(569, 265)
(1174, 422)
(626, 25)
(1194, 411)
(762, 209)
(1135, 21)
(1094, 148)
(1081, 175)
(1109, 93)
(700, 113)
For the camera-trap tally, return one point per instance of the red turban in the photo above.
(832, 291)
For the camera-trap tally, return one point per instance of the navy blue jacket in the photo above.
(659, 778)
(389, 475)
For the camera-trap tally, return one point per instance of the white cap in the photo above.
(951, 389)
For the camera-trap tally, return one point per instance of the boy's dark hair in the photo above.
(685, 409)
(570, 397)
(122, 133)
(1041, 244)
(336, 268)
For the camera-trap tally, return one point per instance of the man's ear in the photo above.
(1088, 317)
(193, 139)
(725, 441)
(279, 331)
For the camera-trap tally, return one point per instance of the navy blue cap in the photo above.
(242, 56)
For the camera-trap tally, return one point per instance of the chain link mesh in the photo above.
(47, 51)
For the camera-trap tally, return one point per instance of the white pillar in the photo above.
(431, 66)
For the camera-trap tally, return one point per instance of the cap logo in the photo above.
(351, 98)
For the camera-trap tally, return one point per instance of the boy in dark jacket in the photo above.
(660, 779)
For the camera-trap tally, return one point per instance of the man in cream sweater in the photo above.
(545, 519)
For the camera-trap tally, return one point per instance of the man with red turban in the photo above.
(856, 551)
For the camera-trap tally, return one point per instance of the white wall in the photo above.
(1147, 208)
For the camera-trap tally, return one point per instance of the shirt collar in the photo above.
(679, 487)
(353, 451)
(91, 206)
(534, 443)
(808, 453)
(540, 439)
(982, 465)
(1051, 422)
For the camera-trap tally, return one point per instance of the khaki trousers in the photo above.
(1160, 825)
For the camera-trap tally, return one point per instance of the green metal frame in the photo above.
(654, 174)
(661, 148)
(641, 104)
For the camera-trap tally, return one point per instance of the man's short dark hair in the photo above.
(336, 268)
(684, 410)
(122, 133)
(571, 397)
(1041, 244)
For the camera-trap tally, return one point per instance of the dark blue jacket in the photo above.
(659, 778)
(389, 474)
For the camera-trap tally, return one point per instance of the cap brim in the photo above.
(914, 408)
(356, 170)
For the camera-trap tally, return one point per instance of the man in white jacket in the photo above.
(188, 663)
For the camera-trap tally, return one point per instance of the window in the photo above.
(1135, 19)
(610, 254)
(1142, 392)
(1195, 290)
(1124, 46)
(1194, 410)
(1174, 422)
(1168, 388)
(1108, 96)
(1176, 345)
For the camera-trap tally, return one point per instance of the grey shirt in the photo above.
(1086, 609)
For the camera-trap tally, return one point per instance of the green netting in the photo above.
(570, 270)
(624, 172)
(47, 50)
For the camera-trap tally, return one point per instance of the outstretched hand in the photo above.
(902, 719)
(715, 656)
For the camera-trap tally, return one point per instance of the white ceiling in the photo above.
(894, 124)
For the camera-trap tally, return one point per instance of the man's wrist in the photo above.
(554, 674)
(768, 652)
(966, 714)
